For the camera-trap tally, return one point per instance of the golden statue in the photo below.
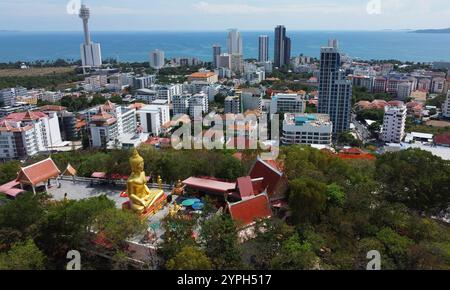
(141, 197)
(160, 182)
(178, 189)
(173, 210)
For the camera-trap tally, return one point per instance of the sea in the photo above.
(135, 46)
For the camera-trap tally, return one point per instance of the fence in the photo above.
(119, 182)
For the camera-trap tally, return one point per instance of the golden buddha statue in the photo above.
(141, 197)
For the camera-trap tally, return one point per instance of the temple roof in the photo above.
(38, 172)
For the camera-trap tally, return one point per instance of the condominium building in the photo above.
(307, 129)
(7, 97)
(252, 99)
(198, 105)
(157, 60)
(153, 116)
(217, 51)
(235, 42)
(287, 103)
(263, 54)
(233, 105)
(109, 121)
(181, 104)
(146, 95)
(282, 47)
(224, 61)
(394, 123)
(167, 92)
(28, 133)
(144, 81)
(335, 91)
(446, 107)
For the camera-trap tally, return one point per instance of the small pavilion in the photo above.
(38, 173)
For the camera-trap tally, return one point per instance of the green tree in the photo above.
(8, 171)
(23, 256)
(335, 194)
(416, 178)
(220, 241)
(294, 255)
(307, 199)
(117, 226)
(189, 258)
(178, 234)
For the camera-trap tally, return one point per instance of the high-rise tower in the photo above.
(282, 47)
(91, 55)
(335, 91)
(263, 55)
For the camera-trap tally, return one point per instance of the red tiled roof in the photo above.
(354, 150)
(443, 139)
(249, 210)
(271, 175)
(38, 172)
(209, 185)
(25, 116)
(245, 186)
(10, 189)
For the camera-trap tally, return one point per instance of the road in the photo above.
(361, 130)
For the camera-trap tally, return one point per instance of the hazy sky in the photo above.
(220, 15)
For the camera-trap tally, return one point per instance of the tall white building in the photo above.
(198, 105)
(91, 55)
(153, 116)
(394, 123)
(157, 60)
(28, 133)
(287, 103)
(108, 122)
(307, 129)
(446, 107)
(235, 42)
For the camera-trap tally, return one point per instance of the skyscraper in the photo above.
(91, 55)
(217, 51)
(235, 42)
(263, 48)
(157, 59)
(282, 47)
(335, 91)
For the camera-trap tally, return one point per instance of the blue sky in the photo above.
(200, 15)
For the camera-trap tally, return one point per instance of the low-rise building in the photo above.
(394, 123)
(307, 129)
(207, 76)
(287, 103)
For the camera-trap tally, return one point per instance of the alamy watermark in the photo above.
(217, 132)
(74, 263)
(374, 7)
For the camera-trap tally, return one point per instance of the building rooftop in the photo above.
(249, 210)
(311, 119)
(38, 172)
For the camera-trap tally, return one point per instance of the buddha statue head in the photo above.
(137, 162)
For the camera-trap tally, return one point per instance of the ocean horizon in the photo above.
(135, 46)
